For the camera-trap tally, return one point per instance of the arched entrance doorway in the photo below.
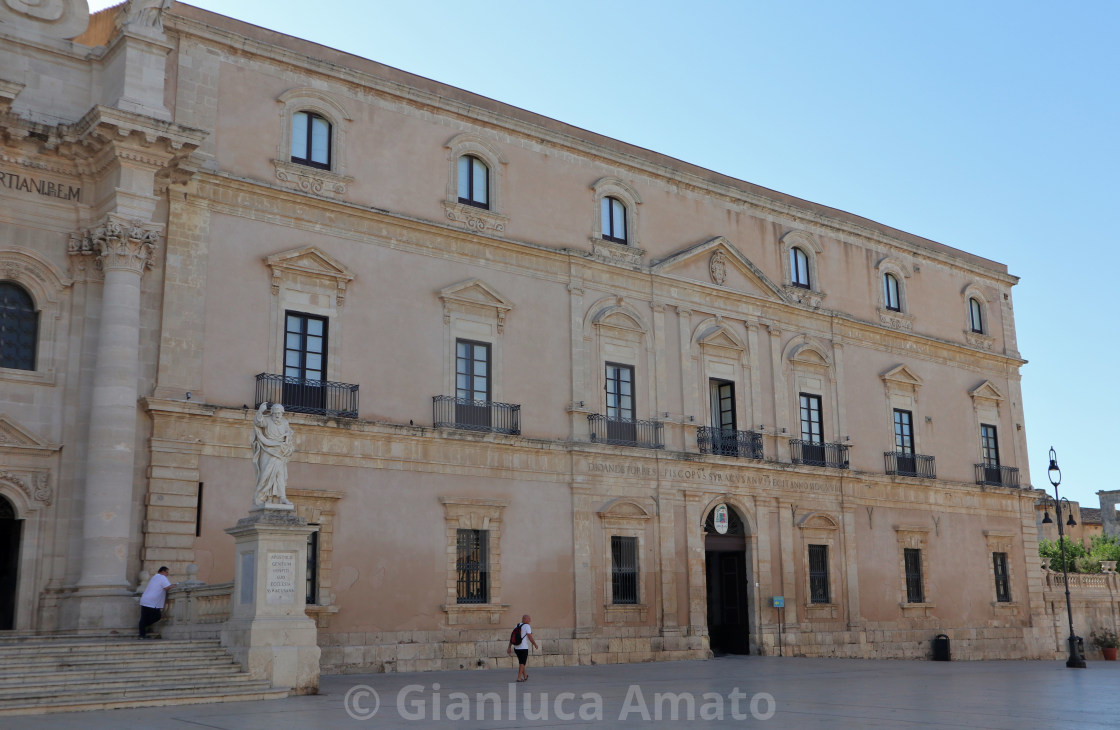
(726, 568)
(10, 531)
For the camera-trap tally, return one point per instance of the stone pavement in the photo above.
(767, 692)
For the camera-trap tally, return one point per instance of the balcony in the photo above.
(997, 476)
(900, 463)
(475, 415)
(298, 395)
(626, 432)
(811, 453)
(725, 442)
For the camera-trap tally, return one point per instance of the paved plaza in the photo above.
(769, 692)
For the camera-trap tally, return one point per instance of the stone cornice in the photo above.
(785, 209)
(705, 295)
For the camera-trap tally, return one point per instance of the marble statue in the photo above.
(273, 445)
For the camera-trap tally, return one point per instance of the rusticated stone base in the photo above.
(418, 651)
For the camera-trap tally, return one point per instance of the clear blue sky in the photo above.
(988, 126)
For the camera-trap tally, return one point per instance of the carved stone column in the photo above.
(123, 250)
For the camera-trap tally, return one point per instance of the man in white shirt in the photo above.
(153, 600)
(522, 649)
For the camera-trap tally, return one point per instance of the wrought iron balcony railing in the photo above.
(298, 395)
(725, 442)
(997, 476)
(903, 464)
(475, 415)
(818, 454)
(626, 432)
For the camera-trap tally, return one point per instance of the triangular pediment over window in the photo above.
(716, 262)
(477, 295)
(15, 436)
(986, 390)
(902, 375)
(309, 262)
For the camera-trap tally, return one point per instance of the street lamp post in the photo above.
(1075, 661)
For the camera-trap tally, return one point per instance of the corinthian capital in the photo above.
(118, 244)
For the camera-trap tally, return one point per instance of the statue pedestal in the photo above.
(268, 632)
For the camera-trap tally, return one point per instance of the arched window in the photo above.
(799, 268)
(890, 293)
(474, 182)
(975, 315)
(311, 140)
(614, 220)
(19, 327)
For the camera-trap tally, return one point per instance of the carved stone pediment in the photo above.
(13, 436)
(309, 262)
(902, 375)
(716, 262)
(475, 293)
(986, 391)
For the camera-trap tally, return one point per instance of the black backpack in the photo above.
(515, 636)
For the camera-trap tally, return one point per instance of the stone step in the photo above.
(145, 650)
(40, 674)
(74, 677)
(126, 687)
(155, 699)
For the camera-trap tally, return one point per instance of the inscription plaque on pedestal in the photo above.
(281, 586)
(248, 577)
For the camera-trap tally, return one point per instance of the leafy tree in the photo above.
(1052, 550)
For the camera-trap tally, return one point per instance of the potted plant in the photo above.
(1107, 641)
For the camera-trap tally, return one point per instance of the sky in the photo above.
(988, 126)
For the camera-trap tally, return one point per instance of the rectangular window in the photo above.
(624, 569)
(313, 567)
(1003, 584)
(904, 432)
(472, 384)
(620, 403)
(811, 430)
(989, 445)
(311, 140)
(818, 574)
(472, 566)
(913, 560)
(305, 361)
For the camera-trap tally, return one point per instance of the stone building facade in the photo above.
(531, 369)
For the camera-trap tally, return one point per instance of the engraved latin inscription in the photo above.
(281, 588)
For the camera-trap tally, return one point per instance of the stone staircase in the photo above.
(41, 674)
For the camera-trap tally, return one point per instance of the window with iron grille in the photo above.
(913, 560)
(474, 182)
(472, 566)
(1003, 584)
(624, 569)
(613, 220)
(313, 567)
(311, 140)
(818, 574)
(19, 327)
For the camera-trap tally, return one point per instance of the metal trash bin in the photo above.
(1080, 646)
(941, 648)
